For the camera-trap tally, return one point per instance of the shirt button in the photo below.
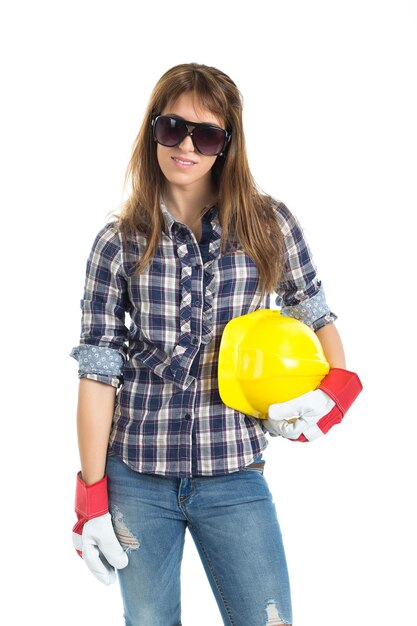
(187, 416)
(194, 340)
(197, 302)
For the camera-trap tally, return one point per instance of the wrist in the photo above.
(343, 387)
(91, 478)
(91, 500)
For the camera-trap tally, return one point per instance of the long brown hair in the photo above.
(246, 215)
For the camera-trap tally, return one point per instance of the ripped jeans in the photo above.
(233, 522)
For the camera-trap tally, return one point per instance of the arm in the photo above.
(332, 345)
(100, 359)
(94, 418)
(100, 354)
(93, 534)
(301, 295)
(317, 411)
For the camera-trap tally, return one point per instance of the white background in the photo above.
(330, 118)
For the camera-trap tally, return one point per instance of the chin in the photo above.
(183, 178)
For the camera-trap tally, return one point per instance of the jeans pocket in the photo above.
(257, 465)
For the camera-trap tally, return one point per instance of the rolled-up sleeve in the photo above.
(102, 349)
(300, 294)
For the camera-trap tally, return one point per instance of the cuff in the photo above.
(98, 360)
(114, 381)
(104, 365)
(314, 311)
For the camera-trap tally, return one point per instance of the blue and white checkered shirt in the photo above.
(169, 418)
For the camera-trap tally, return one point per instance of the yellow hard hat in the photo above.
(266, 358)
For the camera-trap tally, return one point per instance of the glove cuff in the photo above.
(91, 500)
(342, 386)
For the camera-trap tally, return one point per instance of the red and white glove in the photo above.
(313, 414)
(93, 535)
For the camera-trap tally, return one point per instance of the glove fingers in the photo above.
(99, 532)
(292, 430)
(108, 543)
(284, 410)
(98, 565)
(114, 553)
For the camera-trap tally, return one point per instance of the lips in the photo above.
(183, 161)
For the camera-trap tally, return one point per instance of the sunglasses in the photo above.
(208, 139)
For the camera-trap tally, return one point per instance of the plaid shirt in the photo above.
(169, 418)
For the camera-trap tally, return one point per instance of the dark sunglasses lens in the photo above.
(169, 131)
(209, 140)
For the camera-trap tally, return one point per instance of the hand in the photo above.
(313, 414)
(93, 535)
(299, 416)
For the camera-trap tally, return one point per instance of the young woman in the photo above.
(196, 245)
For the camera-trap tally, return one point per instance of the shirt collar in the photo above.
(210, 215)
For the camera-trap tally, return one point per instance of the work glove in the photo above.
(313, 414)
(93, 535)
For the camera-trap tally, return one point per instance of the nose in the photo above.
(187, 144)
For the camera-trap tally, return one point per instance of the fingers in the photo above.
(289, 430)
(103, 571)
(114, 553)
(101, 549)
(284, 410)
(292, 430)
(104, 558)
(311, 405)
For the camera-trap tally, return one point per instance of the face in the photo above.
(195, 172)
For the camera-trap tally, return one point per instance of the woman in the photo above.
(195, 246)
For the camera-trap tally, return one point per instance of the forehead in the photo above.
(188, 106)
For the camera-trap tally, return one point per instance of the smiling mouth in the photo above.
(185, 162)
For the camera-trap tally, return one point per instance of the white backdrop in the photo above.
(330, 102)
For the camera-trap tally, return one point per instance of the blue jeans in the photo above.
(233, 523)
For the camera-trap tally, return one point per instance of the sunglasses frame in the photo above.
(189, 133)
